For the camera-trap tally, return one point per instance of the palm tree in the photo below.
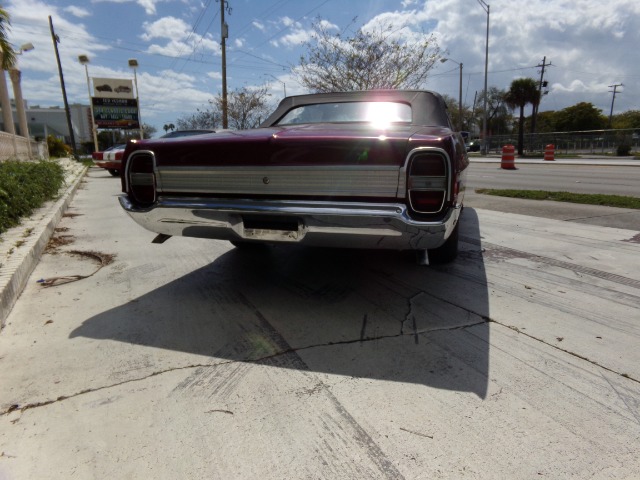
(7, 54)
(522, 92)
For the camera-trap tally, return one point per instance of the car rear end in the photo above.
(411, 202)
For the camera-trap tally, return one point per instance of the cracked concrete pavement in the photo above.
(192, 359)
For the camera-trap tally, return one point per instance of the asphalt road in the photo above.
(612, 180)
(191, 359)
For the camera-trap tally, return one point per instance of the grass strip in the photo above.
(618, 201)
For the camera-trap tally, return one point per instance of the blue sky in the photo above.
(591, 45)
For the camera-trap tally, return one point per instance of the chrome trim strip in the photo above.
(353, 181)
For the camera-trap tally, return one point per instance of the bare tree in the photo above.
(246, 107)
(371, 59)
(201, 120)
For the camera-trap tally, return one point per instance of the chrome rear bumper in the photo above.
(331, 224)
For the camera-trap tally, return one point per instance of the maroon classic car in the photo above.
(378, 169)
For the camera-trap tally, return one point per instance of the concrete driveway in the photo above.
(192, 359)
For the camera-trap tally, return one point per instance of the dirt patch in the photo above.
(58, 241)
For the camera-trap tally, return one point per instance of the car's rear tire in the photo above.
(114, 172)
(448, 251)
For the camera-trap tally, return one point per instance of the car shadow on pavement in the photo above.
(355, 313)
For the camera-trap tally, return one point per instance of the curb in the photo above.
(15, 271)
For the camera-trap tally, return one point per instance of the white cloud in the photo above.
(77, 11)
(181, 40)
(167, 27)
(296, 37)
(148, 5)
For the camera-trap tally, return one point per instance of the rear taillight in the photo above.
(427, 182)
(141, 178)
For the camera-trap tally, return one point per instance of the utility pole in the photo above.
(486, 7)
(224, 34)
(56, 40)
(614, 91)
(534, 110)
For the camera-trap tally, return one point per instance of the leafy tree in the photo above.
(454, 112)
(497, 113)
(6, 50)
(582, 116)
(522, 92)
(148, 131)
(628, 119)
(371, 59)
(546, 122)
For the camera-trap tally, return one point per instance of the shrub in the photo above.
(57, 148)
(624, 150)
(25, 186)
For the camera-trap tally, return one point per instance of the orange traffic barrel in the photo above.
(549, 152)
(508, 157)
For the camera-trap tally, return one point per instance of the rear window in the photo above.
(381, 113)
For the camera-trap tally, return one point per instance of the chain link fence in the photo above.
(595, 142)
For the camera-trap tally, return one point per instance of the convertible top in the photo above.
(428, 108)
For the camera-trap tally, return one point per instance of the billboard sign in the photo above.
(115, 113)
(113, 88)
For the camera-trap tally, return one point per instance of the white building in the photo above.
(45, 121)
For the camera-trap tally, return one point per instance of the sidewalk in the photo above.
(600, 160)
(21, 247)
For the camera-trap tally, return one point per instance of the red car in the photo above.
(111, 159)
(371, 169)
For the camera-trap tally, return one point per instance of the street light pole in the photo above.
(84, 60)
(224, 34)
(133, 63)
(459, 92)
(284, 85)
(485, 6)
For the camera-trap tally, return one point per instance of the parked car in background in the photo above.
(474, 146)
(186, 133)
(372, 169)
(110, 159)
